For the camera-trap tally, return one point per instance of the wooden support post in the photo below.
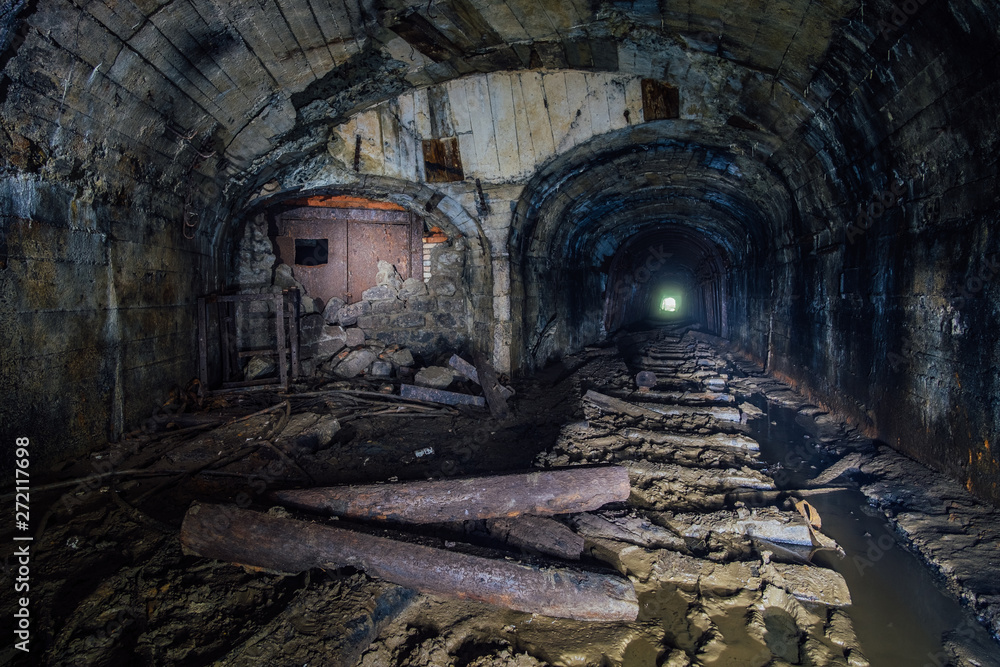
(287, 545)
(491, 387)
(293, 332)
(542, 492)
(279, 317)
(202, 343)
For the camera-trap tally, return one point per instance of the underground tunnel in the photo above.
(500, 334)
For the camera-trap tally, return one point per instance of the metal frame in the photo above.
(286, 307)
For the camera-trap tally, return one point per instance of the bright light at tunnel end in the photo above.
(669, 304)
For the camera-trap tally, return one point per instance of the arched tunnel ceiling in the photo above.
(585, 206)
(260, 83)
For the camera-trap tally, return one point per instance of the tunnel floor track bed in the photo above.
(725, 549)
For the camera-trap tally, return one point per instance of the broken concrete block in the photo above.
(410, 320)
(354, 336)
(259, 367)
(328, 346)
(284, 278)
(440, 396)
(441, 286)
(308, 432)
(387, 306)
(333, 306)
(379, 293)
(464, 368)
(435, 377)
(355, 362)
(308, 305)
(349, 314)
(382, 369)
(401, 357)
(412, 287)
(388, 276)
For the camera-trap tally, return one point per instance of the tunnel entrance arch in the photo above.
(717, 207)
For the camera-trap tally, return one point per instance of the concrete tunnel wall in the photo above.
(127, 127)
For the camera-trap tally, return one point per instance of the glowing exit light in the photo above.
(669, 304)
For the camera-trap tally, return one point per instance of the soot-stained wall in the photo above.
(128, 127)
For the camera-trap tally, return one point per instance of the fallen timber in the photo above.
(287, 545)
(541, 493)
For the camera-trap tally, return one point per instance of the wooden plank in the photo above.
(504, 129)
(298, 16)
(408, 142)
(660, 100)
(522, 125)
(388, 123)
(558, 111)
(457, 98)
(442, 160)
(370, 131)
(579, 108)
(287, 545)
(487, 163)
(422, 113)
(505, 22)
(633, 101)
(440, 396)
(538, 492)
(542, 142)
(597, 100)
(492, 388)
(533, 18)
(615, 88)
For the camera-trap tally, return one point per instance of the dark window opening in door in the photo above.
(311, 252)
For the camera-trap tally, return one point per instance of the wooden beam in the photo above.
(542, 492)
(288, 545)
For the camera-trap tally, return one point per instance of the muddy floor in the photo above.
(729, 565)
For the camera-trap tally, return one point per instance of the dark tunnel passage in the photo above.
(598, 243)
(672, 262)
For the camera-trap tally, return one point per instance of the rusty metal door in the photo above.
(356, 240)
(369, 242)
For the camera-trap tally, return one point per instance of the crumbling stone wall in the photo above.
(394, 325)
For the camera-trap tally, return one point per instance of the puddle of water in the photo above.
(900, 609)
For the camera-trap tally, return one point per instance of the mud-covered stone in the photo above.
(354, 336)
(350, 313)
(355, 363)
(412, 287)
(331, 309)
(409, 320)
(379, 293)
(435, 377)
